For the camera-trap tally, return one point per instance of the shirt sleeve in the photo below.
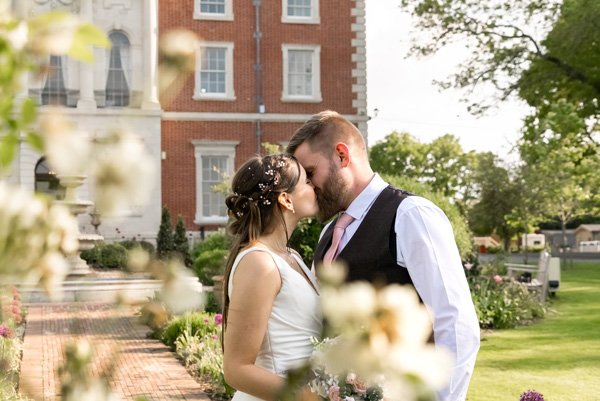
(427, 248)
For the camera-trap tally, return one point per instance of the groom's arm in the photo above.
(427, 248)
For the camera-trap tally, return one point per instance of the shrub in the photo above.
(203, 356)
(210, 256)
(305, 237)
(197, 323)
(210, 263)
(133, 244)
(212, 306)
(93, 256)
(503, 304)
(181, 244)
(113, 256)
(164, 239)
(217, 240)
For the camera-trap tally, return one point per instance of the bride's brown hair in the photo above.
(253, 205)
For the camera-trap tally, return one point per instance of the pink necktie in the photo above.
(338, 230)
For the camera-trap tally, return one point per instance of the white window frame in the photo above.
(211, 148)
(291, 19)
(226, 16)
(229, 94)
(316, 81)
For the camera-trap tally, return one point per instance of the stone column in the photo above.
(21, 10)
(150, 56)
(86, 70)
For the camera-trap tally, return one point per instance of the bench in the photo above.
(545, 276)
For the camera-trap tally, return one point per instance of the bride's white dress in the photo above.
(295, 318)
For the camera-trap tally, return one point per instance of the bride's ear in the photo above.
(285, 200)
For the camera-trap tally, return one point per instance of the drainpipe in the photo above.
(260, 107)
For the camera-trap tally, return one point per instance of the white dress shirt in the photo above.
(426, 247)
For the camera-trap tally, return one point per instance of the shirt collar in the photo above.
(362, 203)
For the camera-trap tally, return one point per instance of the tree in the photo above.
(497, 197)
(164, 239)
(506, 38)
(181, 244)
(442, 164)
(398, 154)
(570, 71)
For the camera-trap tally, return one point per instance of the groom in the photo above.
(386, 235)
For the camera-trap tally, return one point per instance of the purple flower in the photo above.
(531, 395)
(4, 331)
(218, 318)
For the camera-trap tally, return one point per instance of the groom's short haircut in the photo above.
(323, 130)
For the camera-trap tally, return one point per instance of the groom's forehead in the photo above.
(309, 155)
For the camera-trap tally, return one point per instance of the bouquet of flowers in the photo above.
(377, 347)
(338, 387)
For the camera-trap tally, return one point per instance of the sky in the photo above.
(402, 90)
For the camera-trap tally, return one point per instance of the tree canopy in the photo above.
(540, 50)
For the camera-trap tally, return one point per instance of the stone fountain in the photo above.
(77, 206)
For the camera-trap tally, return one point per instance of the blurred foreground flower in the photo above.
(380, 343)
(120, 167)
(61, 33)
(79, 380)
(180, 292)
(34, 236)
(68, 149)
(122, 172)
(178, 49)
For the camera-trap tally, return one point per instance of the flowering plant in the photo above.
(531, 395)
(338, 387)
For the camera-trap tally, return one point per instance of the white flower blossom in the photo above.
(123, 174)
(67, 148)
(17, 36)
(349, 304)
(53, 34)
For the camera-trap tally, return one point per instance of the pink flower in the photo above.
(334, 393)
(5, 331)
(497, 279)
(218, 318)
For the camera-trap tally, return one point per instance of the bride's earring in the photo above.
(291, 209)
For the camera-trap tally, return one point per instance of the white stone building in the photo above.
(118, 90)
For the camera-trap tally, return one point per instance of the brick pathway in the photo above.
(145, 367)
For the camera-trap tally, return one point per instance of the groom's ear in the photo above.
(343, 153)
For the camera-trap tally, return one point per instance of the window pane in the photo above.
(213, 168)
(55, 92)
(117, 86)
(299, 8)
(213, 68)
(212, 6)
(300, 72)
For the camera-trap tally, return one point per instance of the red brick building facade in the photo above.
(263, 68)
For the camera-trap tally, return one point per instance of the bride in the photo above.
(271, 308)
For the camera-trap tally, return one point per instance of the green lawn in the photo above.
(558, 357)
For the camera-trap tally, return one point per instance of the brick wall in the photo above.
(334, 34)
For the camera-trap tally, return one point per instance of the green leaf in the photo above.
(93, 35)
(87, 36)
(79, 51)
(8, 148)
(35, 141)
(28, 112)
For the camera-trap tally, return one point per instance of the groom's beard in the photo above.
(331, 197)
